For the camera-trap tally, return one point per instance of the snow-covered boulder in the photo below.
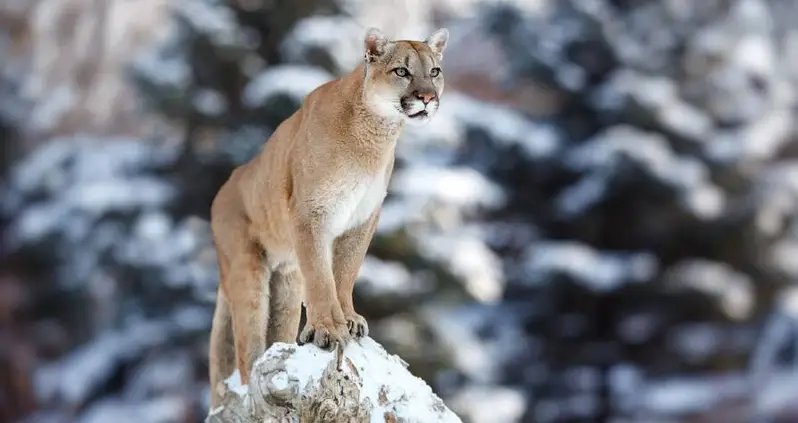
(361, 383)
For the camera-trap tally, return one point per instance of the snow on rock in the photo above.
(233, 384)
(291, 383)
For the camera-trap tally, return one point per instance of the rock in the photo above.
(293, 383)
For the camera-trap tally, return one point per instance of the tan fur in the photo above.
(295, 222)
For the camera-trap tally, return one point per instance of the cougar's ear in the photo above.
(374, 43)
(437, 41)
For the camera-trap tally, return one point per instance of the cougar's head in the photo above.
(404, 78)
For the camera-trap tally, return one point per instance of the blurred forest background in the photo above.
(598, 226)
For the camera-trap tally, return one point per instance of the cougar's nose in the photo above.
(426, 97)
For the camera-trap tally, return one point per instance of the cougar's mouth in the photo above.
(407, 105)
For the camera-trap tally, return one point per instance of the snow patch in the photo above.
(233, 384)
(504, 125)
(384, 379)
(599, 271)
(293, 80)
(470, 260)
(461, 186)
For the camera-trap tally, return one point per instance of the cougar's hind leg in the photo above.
(245, 286)
(249, 305)
(244, 281)
(286, 306)
(222, 351)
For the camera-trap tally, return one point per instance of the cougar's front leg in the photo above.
(326, 324)
(349, 251)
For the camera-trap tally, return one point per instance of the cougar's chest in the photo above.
(359, 197)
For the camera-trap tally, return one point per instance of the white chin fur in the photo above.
(418, 106)
(417, 121)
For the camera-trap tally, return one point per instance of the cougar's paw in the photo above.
(357, 325)
(324, 334)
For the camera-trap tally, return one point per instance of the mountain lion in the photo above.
(294, 223)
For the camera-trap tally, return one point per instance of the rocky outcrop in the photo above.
(356, 384)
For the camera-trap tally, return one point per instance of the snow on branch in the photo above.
(362, 383)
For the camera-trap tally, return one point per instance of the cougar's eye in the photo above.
(435, 72)
(401, 72)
